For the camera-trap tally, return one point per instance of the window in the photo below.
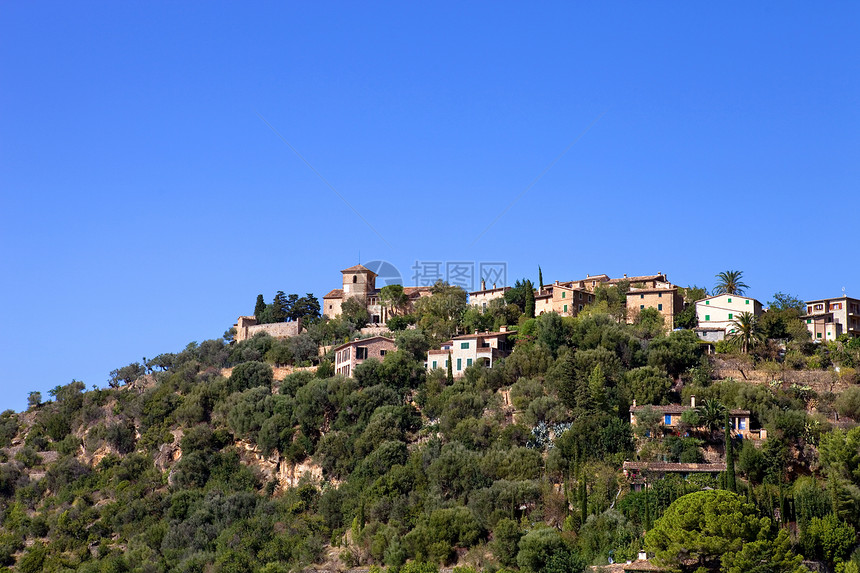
(484, 307)
(641, 296)
(659, 295)
(589, 298)
(382, 352)
(464, 346)
(563, 294)
(565, 308)
(747, 301)
(459, 364)
(468, 362)
(434, 364)
(707, 317)
(742, 423)
(659, 307)
(730, 299)
(817, 335)
(580, 307)
(354, 279)
(731, 316)
(808, 321)
(667, 419)
(580, 296)
(361, 353)
(707, 302)
(641, 306)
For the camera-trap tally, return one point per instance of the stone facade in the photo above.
(481, 298)
(740, 419)
(348, 356)
(360, 283)
(665, 298)
(246, 327)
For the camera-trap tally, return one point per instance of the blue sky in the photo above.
(145, 203)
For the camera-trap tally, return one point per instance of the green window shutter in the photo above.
(748, 301)
(707, 302)
(730, 299)
(563, 294)
(707, 317)
(731, 316)
(434, 364)
(818, 335)
(468, 362)
(565, 308)
(464, 345)
(808, 321)
(459, 364)
(659, 307)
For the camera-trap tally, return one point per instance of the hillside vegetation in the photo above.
(178, 467)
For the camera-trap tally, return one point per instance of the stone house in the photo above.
(479, 348)
(359, 283)
(348, 356)
(720, 311)
(666, 298)
(562, 298)
(481, 298)
(828, 318)
(671, 419)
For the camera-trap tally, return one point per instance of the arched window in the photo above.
(354, 278)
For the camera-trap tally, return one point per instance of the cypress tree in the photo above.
(540, 277)
(260, 307)
(647, 508)
(530, 300)
(731, 484)
(583, 498)
(450, 369)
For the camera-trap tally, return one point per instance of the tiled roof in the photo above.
(679, 409)
(358, 268)
(335, 293)
(674, 467)
(638, 279)
(363, 340)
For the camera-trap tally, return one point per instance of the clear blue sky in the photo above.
(145, 204)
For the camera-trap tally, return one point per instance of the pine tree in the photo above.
(279, 307)
(731, 483)
(259, 308)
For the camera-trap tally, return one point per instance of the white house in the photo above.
(722, 310)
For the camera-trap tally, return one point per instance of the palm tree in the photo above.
(745, 330)
(711, 413)
(729, 282)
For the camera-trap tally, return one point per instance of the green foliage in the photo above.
(729, 282)
(250, 375)
(537, 547)
(703, 527)
(828, 538)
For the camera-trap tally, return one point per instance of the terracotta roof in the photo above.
(335, 293)
(641, 566)
(644, 290)
(361, 340)
(358, 268)
(680, 409)
(638, 279)
(726, 295)
(480, 335)
(674, 467)
(410, 291)
(504, 288)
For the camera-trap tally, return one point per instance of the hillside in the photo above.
(206, 460)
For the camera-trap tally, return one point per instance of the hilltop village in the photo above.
(619, 424)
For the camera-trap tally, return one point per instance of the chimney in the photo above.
(692, 401)
(587, 276)
(556, 282)
(642, 556)
(494, 285)
(634, 402)
(483, 284)
(503, 328)
(625, 275)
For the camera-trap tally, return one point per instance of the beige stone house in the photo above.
(359, 283)
(348, 356)
(562, 298)
(666, 298)
(828, 318)
(479, 348)
(722, 310)
(481, 298)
